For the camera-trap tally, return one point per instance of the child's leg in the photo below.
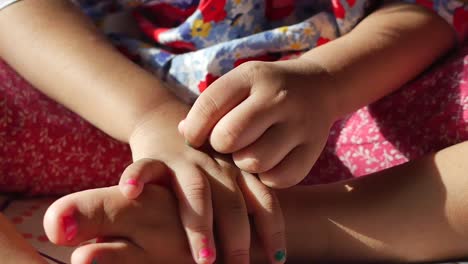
(14, 249)
(46, 149)
(412, 212)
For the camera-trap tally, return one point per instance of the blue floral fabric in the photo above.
(191, 43)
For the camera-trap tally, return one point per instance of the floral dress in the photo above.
(191, 43)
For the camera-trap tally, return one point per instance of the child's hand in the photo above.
(273, 117)
(201, 182)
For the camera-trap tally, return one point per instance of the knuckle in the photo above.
(207, 105)
(200, 229)
(224, 138)
(268, 200)
(240, 253)
(253, 67)
(251, 70)
(234, 207)
(278, 236)
(196, 189)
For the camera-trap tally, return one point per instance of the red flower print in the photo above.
(213, 10)
(181, 46)
(460, 22)
(426, 3)
(209, 79)
(278, 9)
(322, 41)
(339, 9)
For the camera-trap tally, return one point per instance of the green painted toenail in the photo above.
(280, 255)
(188, 143)
(94, 261)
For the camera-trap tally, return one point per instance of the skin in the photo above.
(87, 75)
(274, 117)
(414, 212)
(15, 249)
(145, 109)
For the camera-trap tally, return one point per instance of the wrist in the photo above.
(159, 126)
(319, 83)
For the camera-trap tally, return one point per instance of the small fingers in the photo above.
(268, 150)
(224, 94)
(268, 217)
(137, 174)
(194, 195)
(231, 219)
(244, 124)
(292, 169)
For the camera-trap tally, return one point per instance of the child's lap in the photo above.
(46, 149)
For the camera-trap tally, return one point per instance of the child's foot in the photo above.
(145, 230)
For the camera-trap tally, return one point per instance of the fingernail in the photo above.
(70, 226)
(132, 182)
(205, 253)
(280, 255)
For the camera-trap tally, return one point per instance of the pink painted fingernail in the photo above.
(70, 226)
(205, 253)
(132, 182)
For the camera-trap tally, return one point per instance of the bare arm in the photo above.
(387, 49)
(58, 50)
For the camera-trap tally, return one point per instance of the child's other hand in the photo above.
(207, 188)
(273, 116)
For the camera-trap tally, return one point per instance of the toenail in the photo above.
(94, 261)
(70, 226)
(132, 182)
(280, 255)
(205, 253)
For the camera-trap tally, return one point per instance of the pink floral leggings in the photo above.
(46, 149)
